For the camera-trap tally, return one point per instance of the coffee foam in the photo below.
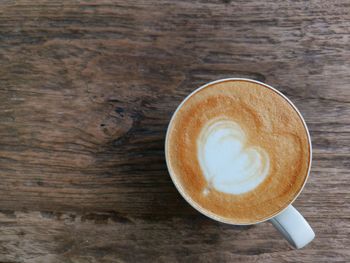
(238, 150)
(226, 163)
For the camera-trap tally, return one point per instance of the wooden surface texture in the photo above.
(87, 89)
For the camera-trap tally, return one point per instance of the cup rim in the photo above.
(188, 198)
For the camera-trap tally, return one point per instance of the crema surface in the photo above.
(238, 150)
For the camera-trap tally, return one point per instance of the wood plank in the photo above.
(107, 237)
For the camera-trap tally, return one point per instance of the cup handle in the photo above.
(293, 226)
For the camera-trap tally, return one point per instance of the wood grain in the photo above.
(86, 92)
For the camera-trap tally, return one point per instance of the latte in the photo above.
(238, 151)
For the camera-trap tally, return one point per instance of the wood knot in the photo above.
(118, 122)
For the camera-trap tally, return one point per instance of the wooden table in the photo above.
(87, 89)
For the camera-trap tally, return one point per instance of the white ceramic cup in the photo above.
(289, 222)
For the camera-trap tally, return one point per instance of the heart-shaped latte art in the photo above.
(227, 164)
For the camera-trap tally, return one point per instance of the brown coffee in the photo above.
(238, 151)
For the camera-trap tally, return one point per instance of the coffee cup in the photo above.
(239, 152)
